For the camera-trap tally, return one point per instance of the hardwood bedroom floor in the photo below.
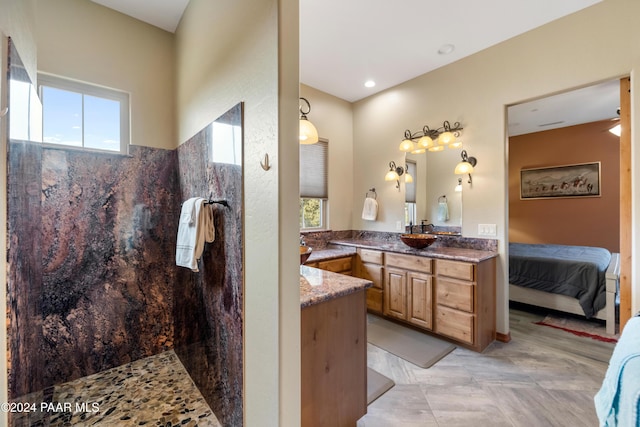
(543, 377)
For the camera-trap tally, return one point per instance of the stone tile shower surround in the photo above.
(92, 280)
(89, 288)
(208, 304)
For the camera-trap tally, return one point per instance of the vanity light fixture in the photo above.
(466, 165)
(308, 132)
(425, 139)
(394, 174)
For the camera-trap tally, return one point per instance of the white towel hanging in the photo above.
(443, 209)
(194, 229)
(370, 209)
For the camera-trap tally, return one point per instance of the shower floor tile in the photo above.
(155, 391)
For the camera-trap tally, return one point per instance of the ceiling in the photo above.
(584, 105)
(345, 43)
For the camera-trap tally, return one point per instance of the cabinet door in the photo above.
(374, 300)
(420, 312)
(372, 272)
(395, 293)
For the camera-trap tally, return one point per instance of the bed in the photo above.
(580, 280)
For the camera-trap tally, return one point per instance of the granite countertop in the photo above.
(318, 285)
(443, 252)
(331, 253)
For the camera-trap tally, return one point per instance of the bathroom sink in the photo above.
(305, 253)
(418, 241)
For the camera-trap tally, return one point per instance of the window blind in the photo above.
(313, 170)
(410, 187)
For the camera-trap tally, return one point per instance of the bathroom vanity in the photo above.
(333, 346)
(445, 291)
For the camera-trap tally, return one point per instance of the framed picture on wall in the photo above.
(580, 180)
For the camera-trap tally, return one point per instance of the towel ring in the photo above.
(442, 199)
(371, 190)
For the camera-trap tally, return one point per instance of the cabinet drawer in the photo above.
(372, 272)
(374, 300)
(457, 269)
(455, 324)
(455, 294)
(339, 265)
(409, 262)
(368, 255)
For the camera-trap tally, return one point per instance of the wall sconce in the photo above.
(432, 139)
(308, 132)
(394, 174)
(466, 165)
(458, 188)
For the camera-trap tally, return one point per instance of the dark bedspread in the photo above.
(575, 271)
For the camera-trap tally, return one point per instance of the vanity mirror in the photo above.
(436, 198)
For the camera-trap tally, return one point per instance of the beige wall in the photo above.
(567, 53)
(82, 40)
(17, 20)
(334, 120)
(584, 221)
(230, 51)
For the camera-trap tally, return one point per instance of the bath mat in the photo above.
(377, 385)
(420, 349)
(579, 327)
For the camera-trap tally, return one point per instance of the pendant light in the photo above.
(308, 132)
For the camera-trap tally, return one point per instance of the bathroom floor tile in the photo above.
(155, 391)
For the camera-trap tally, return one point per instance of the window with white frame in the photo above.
(85, 116)
(314, 185)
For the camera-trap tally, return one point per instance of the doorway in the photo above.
(567, 129)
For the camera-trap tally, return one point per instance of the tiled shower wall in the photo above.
(90, 236)
(92, 278)
(208, 304)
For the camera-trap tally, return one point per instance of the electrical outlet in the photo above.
(399, 225)
(487, 230)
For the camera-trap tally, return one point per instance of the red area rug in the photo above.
(581, 328)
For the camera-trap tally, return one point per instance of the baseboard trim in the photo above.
(503, 337)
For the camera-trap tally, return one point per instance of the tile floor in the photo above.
(543, 377)
(155, 391)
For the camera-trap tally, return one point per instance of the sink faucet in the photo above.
(423, 225)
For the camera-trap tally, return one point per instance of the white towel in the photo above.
(370, 209)
(194, 229)
(443, 211)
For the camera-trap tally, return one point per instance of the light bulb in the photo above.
(407, 145)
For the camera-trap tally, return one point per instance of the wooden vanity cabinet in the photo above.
(465, 301)
(408, 289)
(337, 265)
(369, 265)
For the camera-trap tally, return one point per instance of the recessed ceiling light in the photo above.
(369, 83)
(446, 49)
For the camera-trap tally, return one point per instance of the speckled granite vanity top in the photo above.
(435, 251)
(318, 285)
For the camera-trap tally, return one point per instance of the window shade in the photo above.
(410, 187)
(313, 170)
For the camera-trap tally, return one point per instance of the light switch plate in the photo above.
(398, 225)
(487, 230)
